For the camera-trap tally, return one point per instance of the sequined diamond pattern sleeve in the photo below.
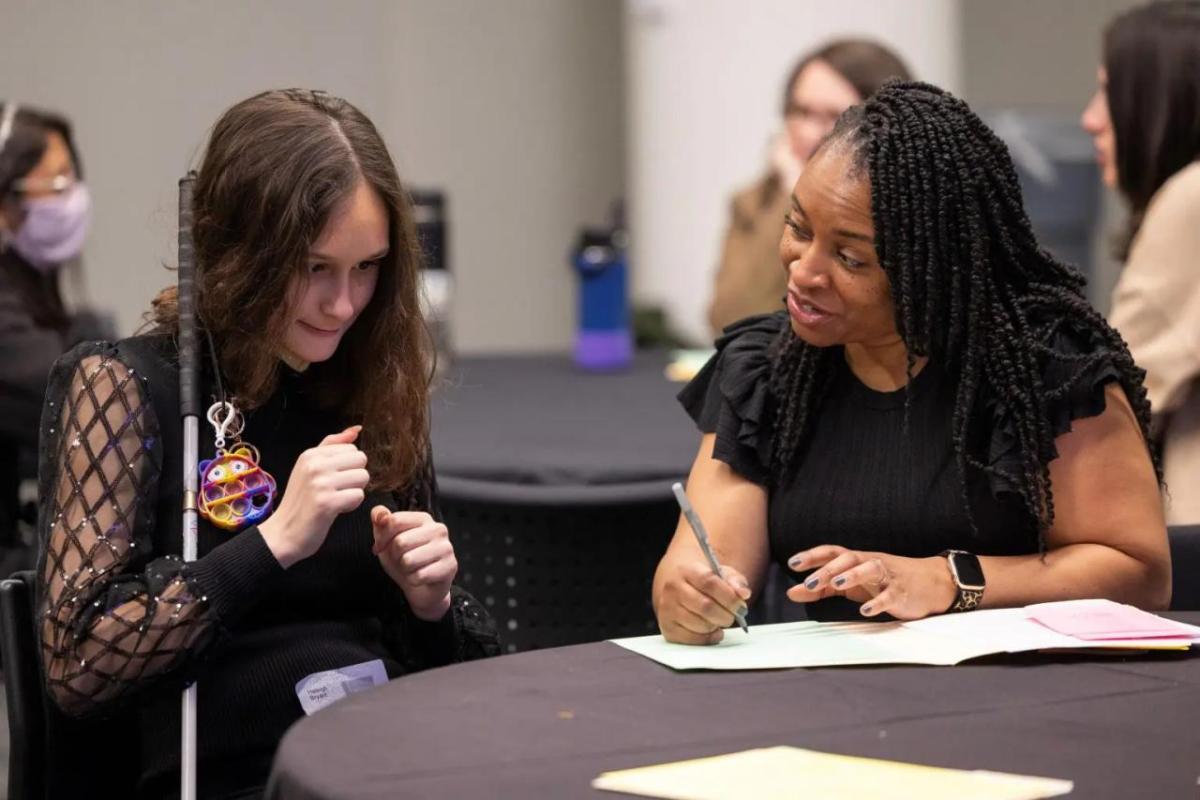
(114, 616)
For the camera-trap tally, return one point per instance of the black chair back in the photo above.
(558, 566)
(1185, 567)
(23, 690)
(52, 755)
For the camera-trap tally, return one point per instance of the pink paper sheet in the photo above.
(1103, 619)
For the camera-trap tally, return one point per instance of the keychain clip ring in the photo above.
(230, 425)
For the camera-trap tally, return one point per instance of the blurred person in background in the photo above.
(822, 84)
(1145, 121)
(44, 214)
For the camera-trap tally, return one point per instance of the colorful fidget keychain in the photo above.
(234, 490)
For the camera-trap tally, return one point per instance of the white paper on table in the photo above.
(811, 644)
(941, 641)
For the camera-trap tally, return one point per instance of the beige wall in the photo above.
(1033, 52)
(516, 108)
(513, 108)
(1043, 53)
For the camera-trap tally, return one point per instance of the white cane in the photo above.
(189, 409)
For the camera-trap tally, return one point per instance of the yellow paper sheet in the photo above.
(779, 773)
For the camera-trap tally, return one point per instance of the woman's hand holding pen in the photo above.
(327, 480)
(906, 588)
(696, 605)
(416, 553)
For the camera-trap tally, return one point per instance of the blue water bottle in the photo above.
(604, 340)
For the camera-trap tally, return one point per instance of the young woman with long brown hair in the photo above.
(306, 272)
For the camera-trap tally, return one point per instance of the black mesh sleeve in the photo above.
(113, 616)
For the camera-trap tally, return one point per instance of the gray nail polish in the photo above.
(839, 582)
(811, 583)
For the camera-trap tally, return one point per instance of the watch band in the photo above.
(968, 579)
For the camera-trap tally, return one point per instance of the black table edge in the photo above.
(547, 495)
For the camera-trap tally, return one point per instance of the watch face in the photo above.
(966, 567)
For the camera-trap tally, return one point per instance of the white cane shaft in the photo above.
(191, 461)
(187, 767)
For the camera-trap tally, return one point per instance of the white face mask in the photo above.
(54, 228)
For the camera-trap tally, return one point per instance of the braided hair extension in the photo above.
(972, 290)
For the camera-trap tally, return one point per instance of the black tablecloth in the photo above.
(545, 723)
(540, 420)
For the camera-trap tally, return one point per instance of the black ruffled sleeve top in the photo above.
(865, 479)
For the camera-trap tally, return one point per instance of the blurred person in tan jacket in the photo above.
(1144, 121)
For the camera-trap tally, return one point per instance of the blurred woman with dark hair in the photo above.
(318, 368)
(1145, 120)
(822, 84)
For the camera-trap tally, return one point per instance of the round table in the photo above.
(538, 420)
(545, 723)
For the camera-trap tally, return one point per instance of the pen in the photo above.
(702, 537)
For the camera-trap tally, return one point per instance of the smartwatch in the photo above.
(968, 577)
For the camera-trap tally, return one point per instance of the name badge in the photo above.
(323, 689)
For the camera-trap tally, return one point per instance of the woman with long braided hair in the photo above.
(938, 422)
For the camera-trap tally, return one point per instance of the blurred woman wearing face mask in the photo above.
(44, 214)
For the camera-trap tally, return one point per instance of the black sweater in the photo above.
(865, 477)
(126, 619)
